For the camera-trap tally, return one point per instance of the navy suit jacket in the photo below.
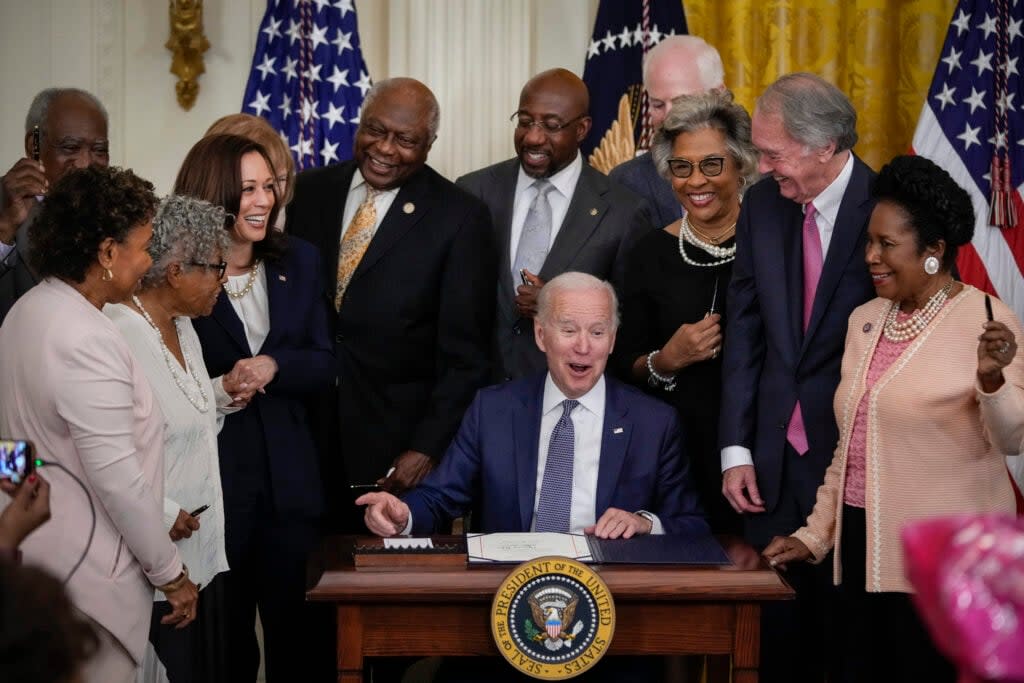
(491, 465)
(769, 362)
(641, 175)
(602, 223)
(271, 435)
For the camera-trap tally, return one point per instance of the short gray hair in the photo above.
(40, 106)
(185, 230)
(433, 109)
(715, 110)
(814, 112)
(692, 48)
(574, 281)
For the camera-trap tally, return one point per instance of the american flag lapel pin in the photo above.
(617, 430)
(282, 278)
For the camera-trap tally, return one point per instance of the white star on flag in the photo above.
(288, 83)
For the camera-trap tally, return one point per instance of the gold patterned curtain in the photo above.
(881, 53)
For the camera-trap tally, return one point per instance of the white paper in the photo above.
(403, 543)
(521, 547)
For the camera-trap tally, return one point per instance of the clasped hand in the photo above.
(21, 185)
(526, 295)
(250, 375)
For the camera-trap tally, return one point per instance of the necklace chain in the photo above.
(253, 273)
(202, 403)
(722, 254)
(905, 330)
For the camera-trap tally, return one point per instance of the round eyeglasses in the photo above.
(709, 166)
(221, 267)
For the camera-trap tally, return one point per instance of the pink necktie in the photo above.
(795, 433)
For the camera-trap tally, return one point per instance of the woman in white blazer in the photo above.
(74, 388)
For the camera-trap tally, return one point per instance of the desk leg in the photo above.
(746, 647)
(350, 644)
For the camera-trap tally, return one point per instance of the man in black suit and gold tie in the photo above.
(409, 263)
(552, 213)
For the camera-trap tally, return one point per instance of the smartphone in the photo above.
(17, 460)
(199, 510)
(37, 143)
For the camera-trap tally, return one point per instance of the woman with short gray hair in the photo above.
(188, 249)
(673, 299)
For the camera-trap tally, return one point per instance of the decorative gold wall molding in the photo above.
(187, 45)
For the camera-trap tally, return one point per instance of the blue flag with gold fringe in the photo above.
(624, 31)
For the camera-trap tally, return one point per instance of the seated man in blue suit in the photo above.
(568, 450)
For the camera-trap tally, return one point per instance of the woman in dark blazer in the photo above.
(267, 340)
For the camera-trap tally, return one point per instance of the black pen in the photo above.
(522, 276)
(988, 308)
(199, 510)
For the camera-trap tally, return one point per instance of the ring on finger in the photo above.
(1005, 347)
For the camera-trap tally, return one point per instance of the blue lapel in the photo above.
(526, 436)
(615, 437)
(278, 288)
(224, 314)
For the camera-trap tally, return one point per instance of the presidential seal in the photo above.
(553, 618)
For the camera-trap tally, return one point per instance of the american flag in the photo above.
(308, 77)
(972, 116)
(623, 33)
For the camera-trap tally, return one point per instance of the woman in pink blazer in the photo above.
(931, 398)
(73, 387)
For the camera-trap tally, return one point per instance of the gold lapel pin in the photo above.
(409, 207)
(593, 212)
(282, 278)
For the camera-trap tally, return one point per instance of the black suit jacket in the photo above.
(16, 277)
(769, 362)
(271, 438)
(412, 334)
(603, 221)
(640, 175)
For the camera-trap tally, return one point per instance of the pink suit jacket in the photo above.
(72, 386)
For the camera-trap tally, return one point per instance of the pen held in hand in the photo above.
(988, 308)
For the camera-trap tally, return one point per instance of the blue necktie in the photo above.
(556, 489)
(536, 235)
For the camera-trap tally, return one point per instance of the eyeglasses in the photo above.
(221, 267)
(550, 126)
(709, 166)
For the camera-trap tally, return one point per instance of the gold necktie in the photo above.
(354, 243)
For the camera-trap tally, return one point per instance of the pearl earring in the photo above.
(931, 265)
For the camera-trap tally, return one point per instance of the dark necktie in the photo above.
(555, 501)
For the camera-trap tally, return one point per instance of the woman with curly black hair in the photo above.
(73, 386)
(931, 397)
(42, 638)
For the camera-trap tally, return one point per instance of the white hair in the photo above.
(688, 49)
(574, 281)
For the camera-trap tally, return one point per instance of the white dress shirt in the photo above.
(827, 206)
(559, 198)
(253, 309)
(356, 194)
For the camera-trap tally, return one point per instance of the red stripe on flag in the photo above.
(972, 269)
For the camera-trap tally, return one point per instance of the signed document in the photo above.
(699, 549)
(521, 547)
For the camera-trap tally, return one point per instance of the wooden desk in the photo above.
(445, 611)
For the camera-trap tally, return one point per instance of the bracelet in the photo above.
(172, 586)
(654, 379)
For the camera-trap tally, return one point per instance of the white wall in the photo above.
(474, 54)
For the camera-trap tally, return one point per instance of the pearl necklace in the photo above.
(896, 331)
(200, 402)
(723, 254)
(248, 285)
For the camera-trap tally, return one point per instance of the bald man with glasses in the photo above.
(551, 212)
